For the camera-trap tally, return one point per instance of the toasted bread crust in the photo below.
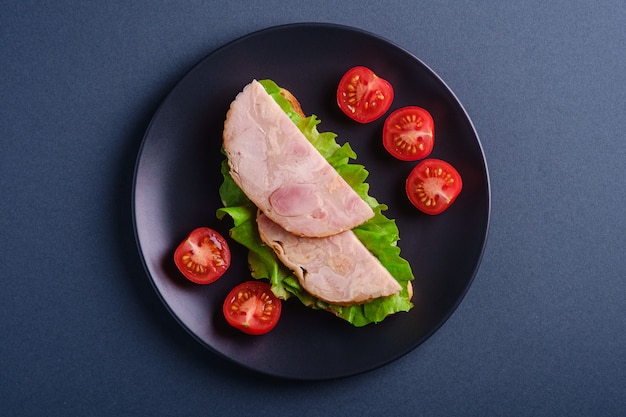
(295, 104)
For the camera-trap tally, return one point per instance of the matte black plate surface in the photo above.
(178, 175)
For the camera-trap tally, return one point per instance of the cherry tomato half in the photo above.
(363, 96)
(252, 307)
(433, 185)
(203, 256)
(409, 133)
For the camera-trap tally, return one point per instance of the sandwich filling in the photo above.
(282, 173)
(337, 269)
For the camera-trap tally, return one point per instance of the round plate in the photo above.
(178, 175)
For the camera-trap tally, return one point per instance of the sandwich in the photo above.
(337, 269)
(303, 210)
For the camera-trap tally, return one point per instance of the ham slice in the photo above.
(282, 172)
(338, 269)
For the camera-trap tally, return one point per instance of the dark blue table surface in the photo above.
(542, 331)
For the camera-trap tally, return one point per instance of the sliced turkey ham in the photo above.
(282, 172)
(338, 269)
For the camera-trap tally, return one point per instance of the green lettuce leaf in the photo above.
(379, 235)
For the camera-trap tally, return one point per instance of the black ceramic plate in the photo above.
(178, 175)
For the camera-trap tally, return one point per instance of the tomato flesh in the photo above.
(252, 307)
(433, 185)
(363, 96)
(409, 133)
(203, 256)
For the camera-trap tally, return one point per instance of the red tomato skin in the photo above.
(433, 185)
(364, 96)
(203, 257)
(409, 133)
(252, 307)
